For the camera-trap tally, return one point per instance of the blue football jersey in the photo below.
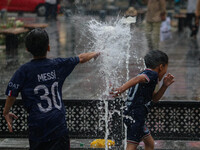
(40, 83)
(141, 94)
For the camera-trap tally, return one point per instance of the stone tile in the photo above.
(81, 144)
(14, 143)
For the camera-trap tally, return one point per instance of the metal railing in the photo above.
(168, 120)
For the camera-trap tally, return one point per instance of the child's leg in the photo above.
(136, 130)
(131, 146)
(149, 143)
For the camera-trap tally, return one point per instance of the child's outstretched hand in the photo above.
(115, 92)
(96, 55)
(168, 80)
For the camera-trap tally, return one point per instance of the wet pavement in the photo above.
(68, 37)
(83, 144)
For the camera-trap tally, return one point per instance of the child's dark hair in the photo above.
(37, 42)
(155, 58)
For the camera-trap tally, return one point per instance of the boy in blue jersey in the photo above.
(40, 83)
(141, 93)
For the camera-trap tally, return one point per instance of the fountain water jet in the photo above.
(113, 41)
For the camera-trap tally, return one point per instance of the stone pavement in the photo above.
(83, 144)
(22, 144)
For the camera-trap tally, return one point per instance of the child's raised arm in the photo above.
(84, 57)
(167, 81)
(138, 79)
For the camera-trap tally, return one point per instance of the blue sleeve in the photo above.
(72, 61)
(16, 83)
(67, 65)
(150, 76)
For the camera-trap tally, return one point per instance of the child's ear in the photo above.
(48, 48)
(161, 67)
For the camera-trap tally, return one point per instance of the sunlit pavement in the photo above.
(67, 38)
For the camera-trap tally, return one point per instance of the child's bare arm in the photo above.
(9, 102)
(8, 115)
(130, 83)
(84, 57)
(167, 81)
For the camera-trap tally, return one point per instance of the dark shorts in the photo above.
(62, 143)
(136, 128)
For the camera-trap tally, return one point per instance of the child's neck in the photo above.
(39, 57)
(156, 69)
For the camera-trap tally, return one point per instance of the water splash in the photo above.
(112, 40)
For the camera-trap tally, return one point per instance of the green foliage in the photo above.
(2, 39)
(11, 23)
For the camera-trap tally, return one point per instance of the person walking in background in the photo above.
(131, 3)
(156, 13)
(177, 6)
(50, 9)
(3, 11)
(198, 8)
(197, 12)
(55, 12)
(191, 18)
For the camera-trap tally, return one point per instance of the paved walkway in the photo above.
(76, 144)
(81, 144)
